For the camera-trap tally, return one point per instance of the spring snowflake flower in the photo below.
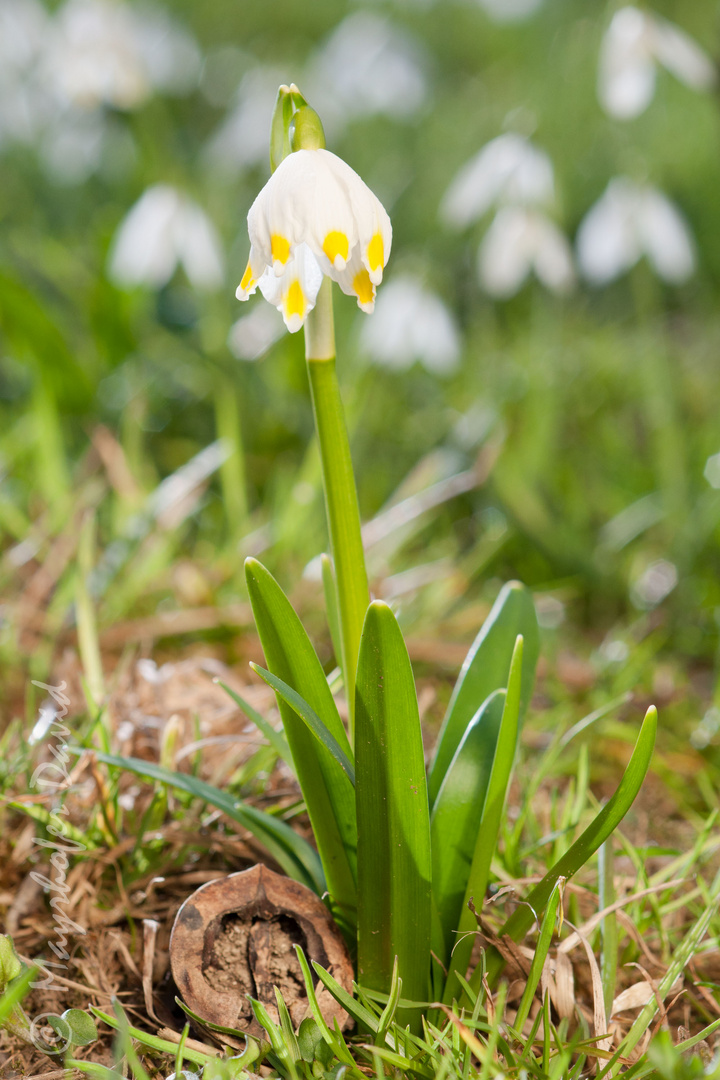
(628, 221)
(508, 170)
(634, 44)
(315, 216)
(411, 324)
(163, 229)
(521, 241)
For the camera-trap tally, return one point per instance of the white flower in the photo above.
(634, 43)
(241, 141)
(518, 242)
(24, 101)
(628, 221)
(508, 169)
(411, 323)
(163, 229)
(107, 53)
(252, 335)
(315, 215)
(367, 66)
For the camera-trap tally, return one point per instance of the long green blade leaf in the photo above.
(394, 863)
(486, 669)
(605, 823)
(311, 718)
(456, 813)
(297, 858)
(538, 960)
(276, 739)
(290, 656)
(489, 825)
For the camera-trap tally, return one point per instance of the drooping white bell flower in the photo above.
(163, 229)
(367, 66)
(628, 221)
(411, 323)
(634, 44)
(508, 170)
(315, 216)
(521, 241)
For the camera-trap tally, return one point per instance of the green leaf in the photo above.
(294, 855)
(486, 669)
(331, 606)
(604, 824)
(350, 1004)
(290, 656)
(311, 718)
(10, 966)
(455, 816)
(81, 1025)
(152, 1041)
(538, 960)
(394, 862)
(276, 739)
(489, 824)
(308, 1037)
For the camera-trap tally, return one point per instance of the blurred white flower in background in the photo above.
(655, 583)
(516, 176)
(108, 53)
(241, 141)
(411, 323)
(162, 230)
(519, 242)
(24, 102)
(634, 44)
(252, 335)
(711, 472)
(59, 73)
(628, 221)
(508, 169)
(366, 66)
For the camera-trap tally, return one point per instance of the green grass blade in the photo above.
(331, 606)
(605, 823)
(311, 718)
(456, 813)
(152, 1041)
(276, 739)
(350, 1004)
(394, 862)
(297, 858)
(538, 961)
(15, 993)
(486, 669)
(290, 656)
(489, 825)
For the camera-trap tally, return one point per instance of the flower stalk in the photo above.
(341, 502)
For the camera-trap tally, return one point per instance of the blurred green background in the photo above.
(568, 436)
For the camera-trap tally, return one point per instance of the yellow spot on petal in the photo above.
(336, 243)
(295, 300)
(247, 279)
(280, 248)
(375, 252)
(363, 287)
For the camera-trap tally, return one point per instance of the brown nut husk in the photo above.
(236, 936)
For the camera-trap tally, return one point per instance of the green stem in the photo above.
(341, 501)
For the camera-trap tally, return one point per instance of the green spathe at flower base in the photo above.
(378, 866)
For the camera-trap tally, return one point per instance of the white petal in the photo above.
(506, 254)
(507, 169)
(198, 247)
(411, 323)
(294, 293)
(253, 334)
(665, 237)
(143, 251)
(681, 55)
(355, 281)
(626, 78)
(607, 241)
(553, 258)
(367, 66)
